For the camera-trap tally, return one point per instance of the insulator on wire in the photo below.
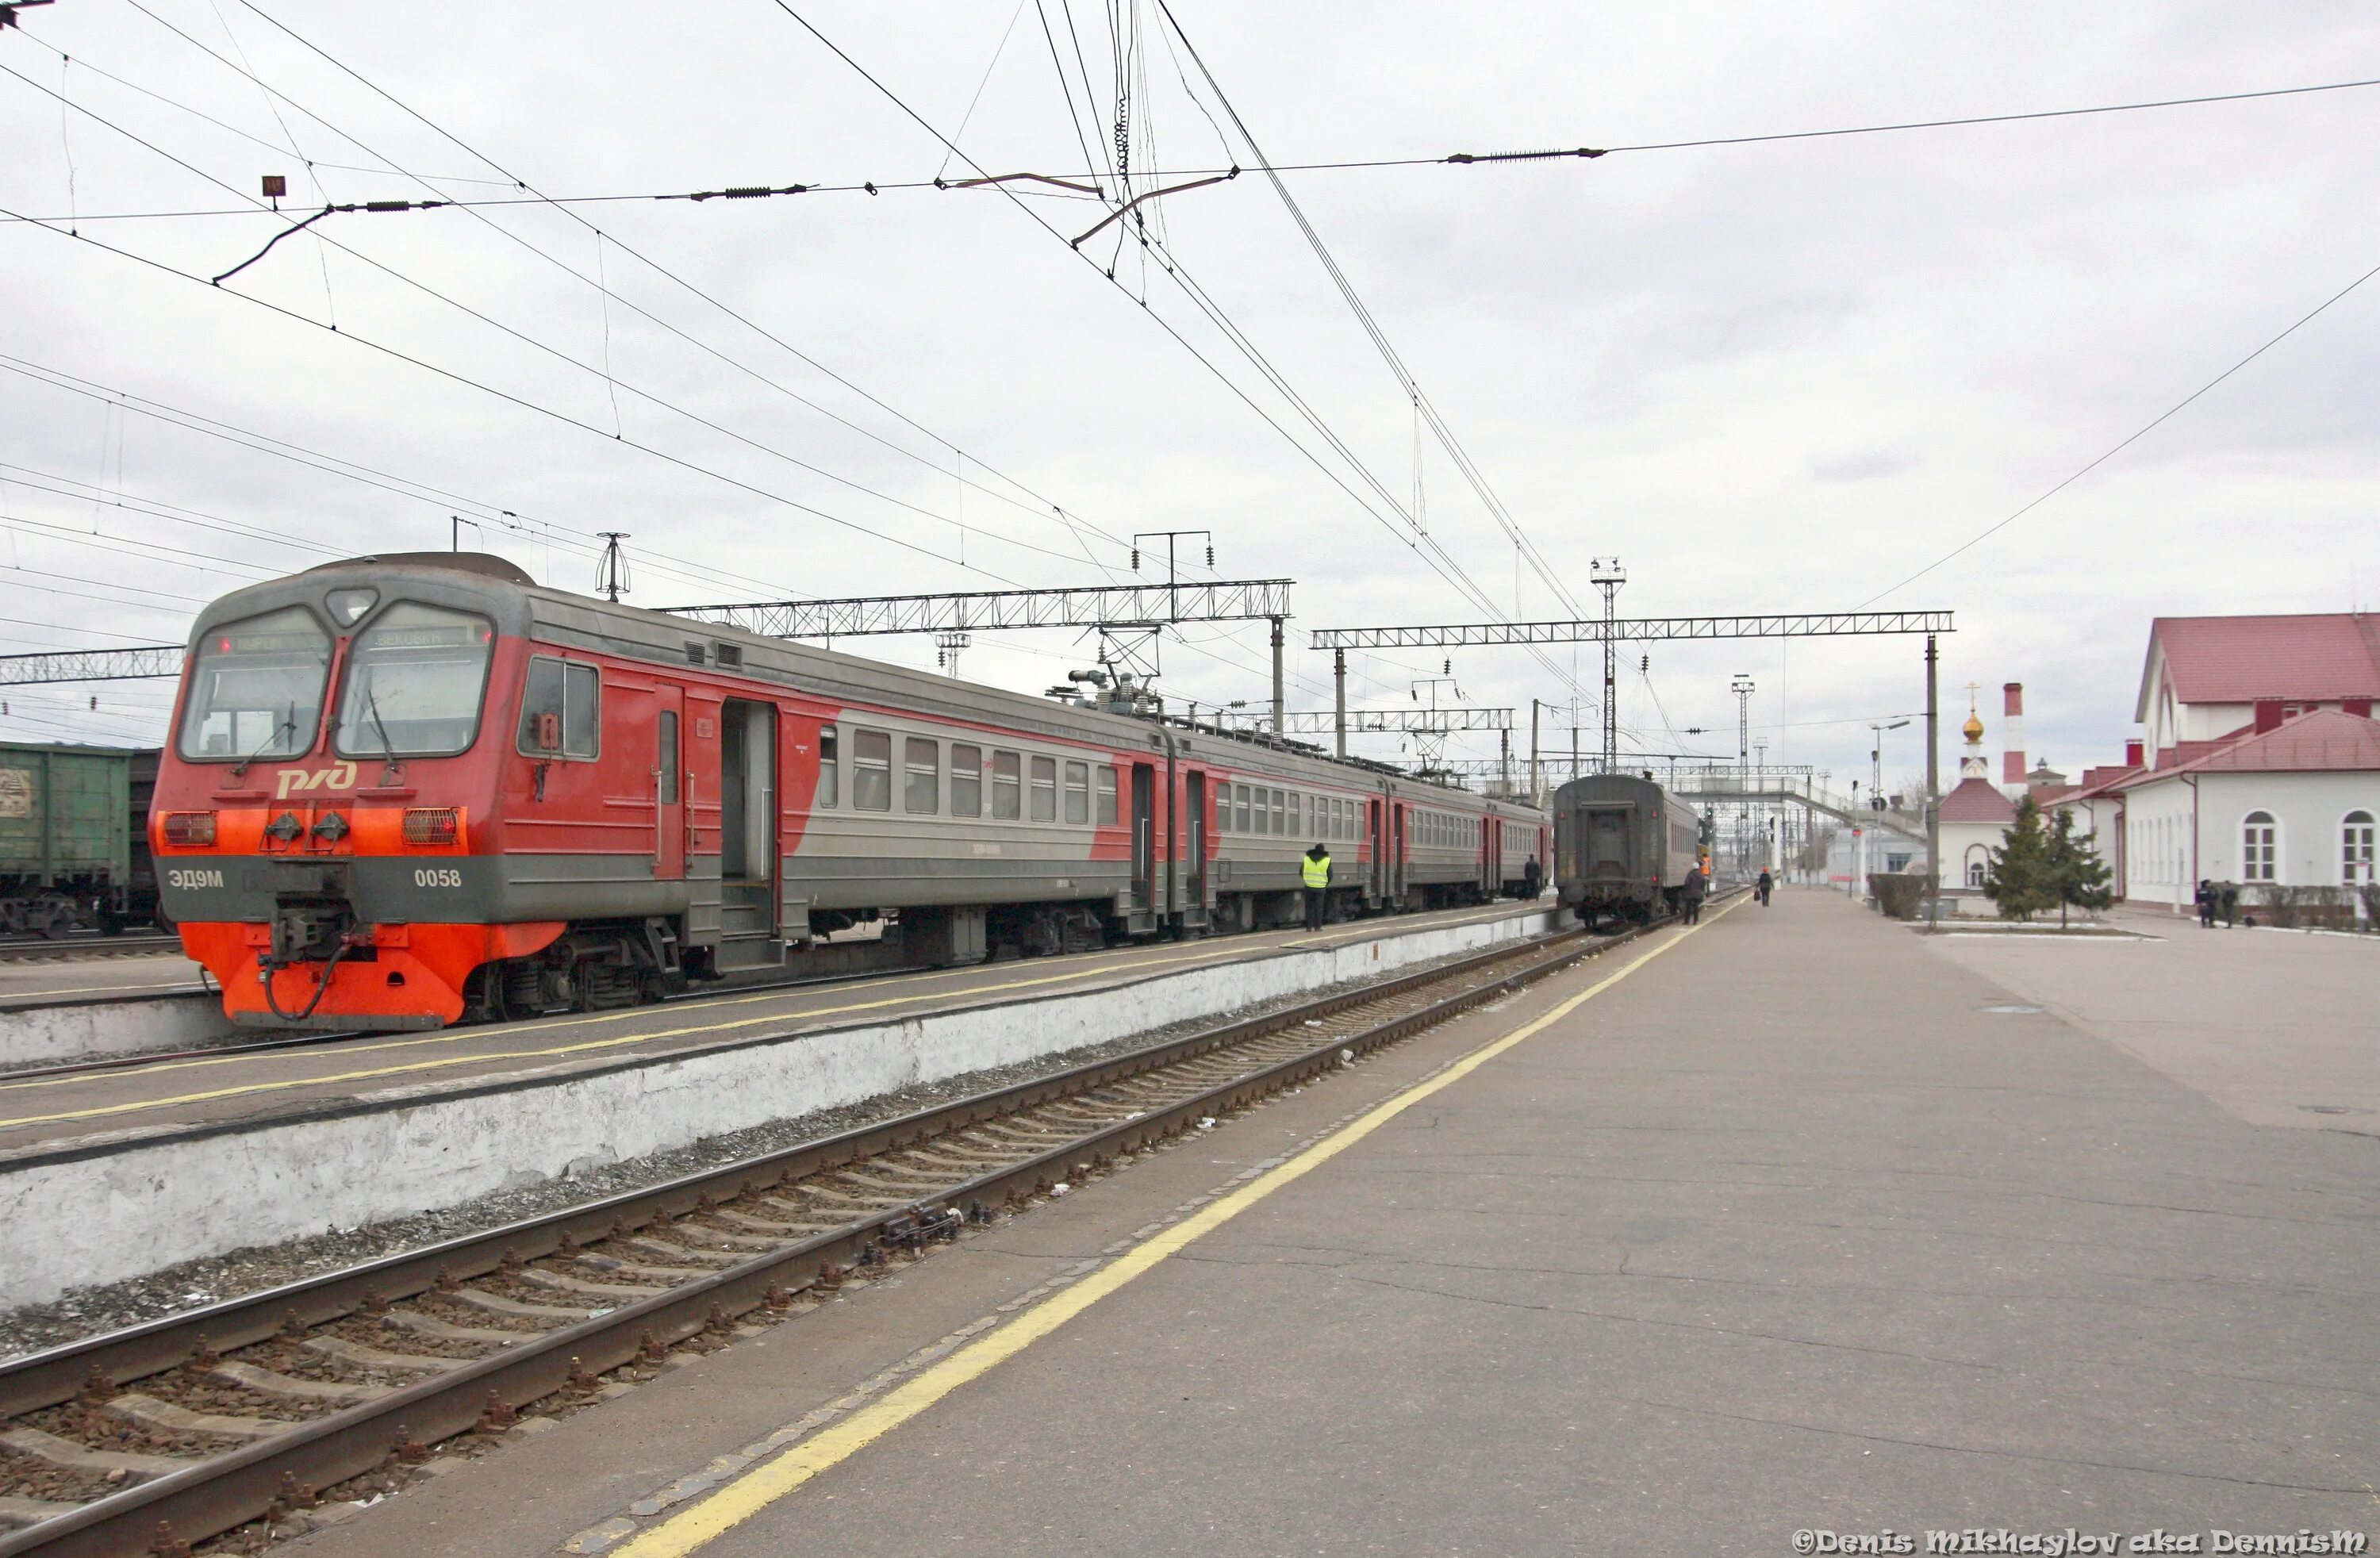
(1135, 559)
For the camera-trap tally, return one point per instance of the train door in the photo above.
(1193, 907)
(1396, 851)
(669, 786)
(1144, 838)
(748, 833)
(1491, 854)
(1380, 832)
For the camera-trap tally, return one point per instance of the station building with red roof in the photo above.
(2259, 761)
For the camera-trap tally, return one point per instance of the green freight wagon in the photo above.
(73, 837)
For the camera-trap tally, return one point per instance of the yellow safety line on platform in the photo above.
(755, 1491)
(1120, 963)
(582, 1047)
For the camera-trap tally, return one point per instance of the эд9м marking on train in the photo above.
(414, 790)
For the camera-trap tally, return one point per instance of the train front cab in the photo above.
(321, 825)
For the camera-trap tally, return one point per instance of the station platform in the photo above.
(200, 1091)
(1794, 1227)
(115, 1173)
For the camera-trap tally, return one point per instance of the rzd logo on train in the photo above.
(338, 776)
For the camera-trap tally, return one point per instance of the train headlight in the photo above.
(348, 606)
(432, 824)
(189, 829)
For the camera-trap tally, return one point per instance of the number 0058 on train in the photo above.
(413, 790)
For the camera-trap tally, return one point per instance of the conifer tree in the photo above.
(2018, 880)
(2077, 874)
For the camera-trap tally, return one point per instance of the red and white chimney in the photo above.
(2013, 734)
(2132, 754)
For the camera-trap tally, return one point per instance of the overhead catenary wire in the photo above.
(1445, 434)
(430, 367)
(1040, 502)
(1453, 159)
(1451, 574)
(2128, 441)
(593, 369)
(1070, 522)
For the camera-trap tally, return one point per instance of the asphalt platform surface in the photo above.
(1806, 1225)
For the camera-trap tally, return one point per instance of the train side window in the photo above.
(829, 785)
(921, 786)
(1240, 808)
(1296, 805)
(966, 780)
(1107, 812)
(667, 758)
(1078, 792)
(871, 771)
(1045, 789)
(561, 709)
(1006, 773)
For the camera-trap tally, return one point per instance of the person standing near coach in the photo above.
(1315, 865)
(1689, 895)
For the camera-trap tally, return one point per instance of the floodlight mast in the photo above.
(1608, 575)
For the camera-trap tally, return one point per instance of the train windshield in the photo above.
(256, 688)
(414, 683)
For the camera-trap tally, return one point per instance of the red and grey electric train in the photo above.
(414, 790)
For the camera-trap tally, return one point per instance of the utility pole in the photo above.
(1933, 792)
(1609, 576)
(1537, 779)
(1277, 677)
(1339, 676)
(1504, 752)
(611, 577)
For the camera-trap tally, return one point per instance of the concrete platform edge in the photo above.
(101, 1210)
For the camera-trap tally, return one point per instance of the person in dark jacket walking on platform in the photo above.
(1690, 895)
(1316, 866)
(1765, 882)
(2206, 903)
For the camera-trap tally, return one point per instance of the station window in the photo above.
(921, 785)
(966, 780)
(2355, 853)
(1007, 770)
(2256, 851)
(871, 771)
(829, 785)
(1045, 789)
(561, 709)
(1107, 812)
(1078, 792)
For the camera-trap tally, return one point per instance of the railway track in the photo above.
(149, 1439)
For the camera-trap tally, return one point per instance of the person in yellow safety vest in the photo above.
(1316, 863)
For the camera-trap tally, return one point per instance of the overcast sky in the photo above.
(1770, 377)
